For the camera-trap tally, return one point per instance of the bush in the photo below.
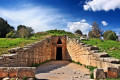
(11, 34)
(25, 78)
(110, 35)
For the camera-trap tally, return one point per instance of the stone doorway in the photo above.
(59, 53)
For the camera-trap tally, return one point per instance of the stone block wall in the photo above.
(24, 57)
(29, 55)
(18, 72)
(72, 49)
(18, 62)
(89, 55)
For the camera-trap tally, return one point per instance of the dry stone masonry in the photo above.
(88, 55)
(18, 62)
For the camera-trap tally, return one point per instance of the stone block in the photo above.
(13, 72)
(103, 54)
(112, 60)
(26, 71)
(94, 48)
(3, 72)
(112, 73)
(119, 71)
(99, 74)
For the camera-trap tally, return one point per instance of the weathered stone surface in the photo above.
(112, 60)
(99, 74)
(29, 72)
(7, 78)
(112, 73)
(13, 72)
(100, 55)
(3, 72)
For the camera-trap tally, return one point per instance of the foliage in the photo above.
(109, 46)
(25, 78)
(110, 35)
(11, 34)
(24, 32)
(8, 43)
(60, 32)
(113, 79)
(96, 31)
(4, 28)
(78, 32)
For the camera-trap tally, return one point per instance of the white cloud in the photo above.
(98, 5)
(104, 23)
(83, 20)
(40, 18)
(81, 25)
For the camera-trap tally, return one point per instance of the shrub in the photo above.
(25, 78)
(110, 35)
(11, 34)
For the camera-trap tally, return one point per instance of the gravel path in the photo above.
(62, 70)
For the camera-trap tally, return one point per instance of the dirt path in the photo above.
(61, 70)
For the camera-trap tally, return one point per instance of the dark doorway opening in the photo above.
(59, 53)
(59, 41)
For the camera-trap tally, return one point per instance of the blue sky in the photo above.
(69, 15)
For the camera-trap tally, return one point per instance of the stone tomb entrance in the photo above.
(59, 53)
(58, 48)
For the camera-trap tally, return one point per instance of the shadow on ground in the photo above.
(50, 66)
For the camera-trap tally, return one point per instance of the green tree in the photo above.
(79, 32)
(96, 31)
(24, 32)
(110, 35)
(4, 28)
(11, 34)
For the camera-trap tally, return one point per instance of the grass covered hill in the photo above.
(109, 46)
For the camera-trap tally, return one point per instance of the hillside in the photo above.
(109, 46)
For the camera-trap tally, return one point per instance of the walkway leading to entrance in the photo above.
(61, 70)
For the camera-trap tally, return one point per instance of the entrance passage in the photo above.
(59, 53)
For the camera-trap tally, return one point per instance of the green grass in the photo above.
(60, 32)
(8, 43)
(109, 46)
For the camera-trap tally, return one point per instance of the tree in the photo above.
(96, 31)
(24, 32)
(11, 34)
(110, 35)
(4, 28)
(79, 32)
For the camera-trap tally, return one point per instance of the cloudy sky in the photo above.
(68, 15)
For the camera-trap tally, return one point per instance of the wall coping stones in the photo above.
(112, 60)
(102, 54)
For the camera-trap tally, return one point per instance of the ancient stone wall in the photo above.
(29, 55)
(89, 55)
(72, 49)
(24, 57)
(18, 72)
